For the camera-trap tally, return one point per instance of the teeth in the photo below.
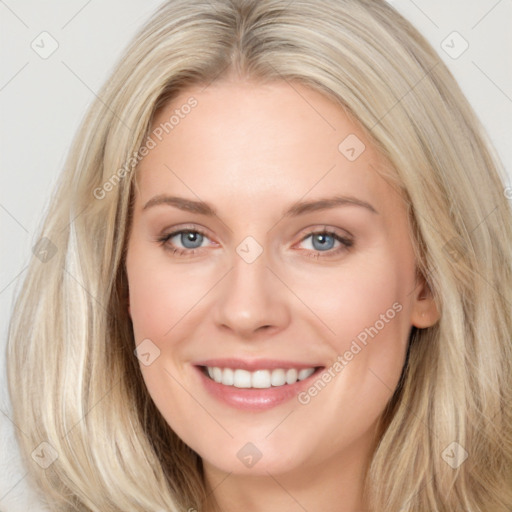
(278, 378)
(228, 377)
(291, 376)
(260, 379)
(241, 379)
(305, 373)
(217, 374)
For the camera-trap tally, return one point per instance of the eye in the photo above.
(325, 241)
(185, 241)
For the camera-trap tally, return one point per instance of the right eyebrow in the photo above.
(187, 205)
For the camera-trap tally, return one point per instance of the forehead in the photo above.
(243, 141)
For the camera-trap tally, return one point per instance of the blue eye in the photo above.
(325, 242)
(184, 241)
(189, 239)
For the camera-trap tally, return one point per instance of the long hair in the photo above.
(75, 384)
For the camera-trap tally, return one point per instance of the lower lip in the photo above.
(254, 399)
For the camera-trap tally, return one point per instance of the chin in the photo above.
(256, 459)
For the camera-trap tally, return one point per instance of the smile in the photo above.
(259, 379)
(256, 384)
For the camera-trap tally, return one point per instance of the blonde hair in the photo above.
(73, 378)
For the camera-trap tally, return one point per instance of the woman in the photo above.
(280, 277)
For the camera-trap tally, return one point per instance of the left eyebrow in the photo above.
(327, 203)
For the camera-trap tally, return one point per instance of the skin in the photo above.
(251, 151)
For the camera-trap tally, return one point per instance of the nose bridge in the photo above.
(251, 297)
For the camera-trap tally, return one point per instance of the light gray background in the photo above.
(43, 100)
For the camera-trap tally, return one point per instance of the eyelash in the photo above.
(346, 243)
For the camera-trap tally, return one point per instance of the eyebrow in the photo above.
(187, 205)
(296, 209)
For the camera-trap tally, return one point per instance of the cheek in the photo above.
(161, 300)
(350, 300)
(162, 295)
(366, 311)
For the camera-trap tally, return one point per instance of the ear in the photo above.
(424, 311)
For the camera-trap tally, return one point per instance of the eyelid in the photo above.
(169, 232)
(330, 230)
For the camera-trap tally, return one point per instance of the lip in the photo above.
(251, 399)
(255, 364)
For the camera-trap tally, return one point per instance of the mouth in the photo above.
(259, 379)
(255, 385)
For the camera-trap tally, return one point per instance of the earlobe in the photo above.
(425, 312)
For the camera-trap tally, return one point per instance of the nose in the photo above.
(251, 300)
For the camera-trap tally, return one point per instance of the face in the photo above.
(272, 278)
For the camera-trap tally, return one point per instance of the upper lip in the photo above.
(254, 364)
